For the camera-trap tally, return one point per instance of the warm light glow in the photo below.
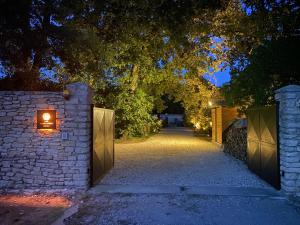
(46, 119)
(210, 123)
(209, 103)
(46, 116)
(197, 125)
(38, 201)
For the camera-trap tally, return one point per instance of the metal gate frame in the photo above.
(263, 143)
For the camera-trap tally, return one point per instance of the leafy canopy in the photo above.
(133, 52)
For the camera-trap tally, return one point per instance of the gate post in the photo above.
(78, 125)
(289, 138)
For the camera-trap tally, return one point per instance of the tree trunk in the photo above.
(134, 78)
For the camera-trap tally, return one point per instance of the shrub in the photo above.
(133, 118)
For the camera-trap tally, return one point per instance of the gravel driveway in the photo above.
(176, 157)
(176, 178)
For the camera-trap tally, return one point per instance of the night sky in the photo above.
(219, 78)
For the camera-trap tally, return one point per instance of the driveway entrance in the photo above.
(177, 157)
(176, 178)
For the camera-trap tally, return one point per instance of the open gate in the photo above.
(103, 143)
(263, 148)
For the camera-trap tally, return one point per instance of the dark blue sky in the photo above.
(219, 78)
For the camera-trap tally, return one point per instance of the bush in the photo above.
(133, 118)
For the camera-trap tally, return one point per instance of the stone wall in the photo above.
(235, 142)
(289, 138)
(52, 159)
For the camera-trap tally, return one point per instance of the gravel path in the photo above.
(177, 157)
(176, 178)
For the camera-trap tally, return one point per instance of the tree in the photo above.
(265, 56)
(271, 66)
(27, 31)
(143, 60)
(195, 95)
(127, 50)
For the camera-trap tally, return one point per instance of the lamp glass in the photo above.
(46, 116)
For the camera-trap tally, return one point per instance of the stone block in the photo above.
(289, 142)
(290, 160)
(82, 150)
(83, 157)
(83, 144)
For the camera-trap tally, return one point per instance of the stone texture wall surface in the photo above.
(235, 142)
(52, 159)
(289, 138)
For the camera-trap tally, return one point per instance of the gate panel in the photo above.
(253, 132)
(269, 164)
(269, 153)
(262, 150)
(103, 143)
(98, 154)
(109, 139)
(268, 127)
(253, 156)
(253, 141)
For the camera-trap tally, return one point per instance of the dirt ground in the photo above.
(37, 209)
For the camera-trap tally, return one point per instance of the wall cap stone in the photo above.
(79, 84)
(81, 91)
(288, 88)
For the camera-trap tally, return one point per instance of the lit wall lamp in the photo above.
(210, 103)
(46, 119)
(66, 94)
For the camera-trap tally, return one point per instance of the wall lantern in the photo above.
(66, 94)
(46, 119)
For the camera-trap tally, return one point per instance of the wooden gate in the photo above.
(103, 143)
(262, 144)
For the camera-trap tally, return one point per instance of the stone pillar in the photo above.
(77, 127)
(289, 138)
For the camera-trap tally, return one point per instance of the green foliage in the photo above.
(271, 66)
(30, 39)
(262, 48)
(133, 117)
(134, 52)
(195, 93)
